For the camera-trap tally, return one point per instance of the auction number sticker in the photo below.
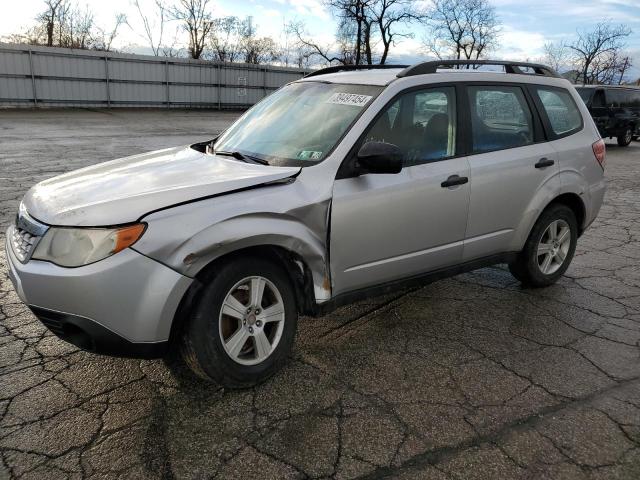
(352, 99)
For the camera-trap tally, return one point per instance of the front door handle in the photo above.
(544, 162)
(454, 180)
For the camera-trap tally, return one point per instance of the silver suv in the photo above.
(348, 183)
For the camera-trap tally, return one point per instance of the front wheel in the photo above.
(244, 325)
(626, 137)
(549, 248)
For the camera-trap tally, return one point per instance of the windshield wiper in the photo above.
(241, 156)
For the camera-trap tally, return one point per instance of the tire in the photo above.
(230, 349)
(625, 139)
(528, 267)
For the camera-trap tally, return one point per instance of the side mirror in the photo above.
(380, 157)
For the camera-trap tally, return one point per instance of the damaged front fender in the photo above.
(187, 238)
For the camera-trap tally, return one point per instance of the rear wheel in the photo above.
(244, 325)
(625, 138)
(549, 248)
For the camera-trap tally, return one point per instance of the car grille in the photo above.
(25, 234)
(23, 243)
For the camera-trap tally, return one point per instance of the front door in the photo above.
(386, 227)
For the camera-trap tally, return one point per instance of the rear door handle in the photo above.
(454, 180)
(544, 162)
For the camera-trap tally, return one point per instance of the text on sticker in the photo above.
(352, 99)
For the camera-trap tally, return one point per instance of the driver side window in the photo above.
(421, 123)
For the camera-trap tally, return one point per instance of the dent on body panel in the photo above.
(283, 216)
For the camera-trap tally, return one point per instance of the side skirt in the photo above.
(411, 282)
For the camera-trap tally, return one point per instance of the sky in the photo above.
(526, 25)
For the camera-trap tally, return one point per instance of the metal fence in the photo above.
(43, 76)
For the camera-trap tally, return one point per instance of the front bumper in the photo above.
(123, 305)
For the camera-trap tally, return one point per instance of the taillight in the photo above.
(600, 151)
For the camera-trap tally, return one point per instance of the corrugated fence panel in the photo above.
(194, 95)
(143, 71)
(15, 89)
(43, 76)
(59, 91)
(15, 63)
(193, 74)
(138, 93)
(59, 66)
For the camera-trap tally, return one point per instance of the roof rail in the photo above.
(509, 67)
(348, 68)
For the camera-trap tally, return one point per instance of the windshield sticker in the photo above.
(352, 99)
(309, 155)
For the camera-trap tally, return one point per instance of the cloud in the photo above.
(309, 7)
(516, 44)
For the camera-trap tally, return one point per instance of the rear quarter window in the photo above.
(561, 110)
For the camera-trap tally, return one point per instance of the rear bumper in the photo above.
(122, 305)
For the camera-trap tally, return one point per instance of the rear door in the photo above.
(386, 227)
(510, 164)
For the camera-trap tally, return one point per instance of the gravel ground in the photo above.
(471, 377)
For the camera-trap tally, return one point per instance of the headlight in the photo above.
(73, 247)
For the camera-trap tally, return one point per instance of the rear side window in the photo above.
(562, 112)
(616, 98)
(500, 118)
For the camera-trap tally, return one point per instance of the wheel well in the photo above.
(575, 203)
(295, 267)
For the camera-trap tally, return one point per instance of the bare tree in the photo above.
(462, 29)
(76, 28)
(390, 14)
(154, 24)
(341, 52)
(597, 51)
(256, 49)
(556, 55)
(50, 16)
(354, 26)
(104, 38)
(224, 39)
(293, 51)
(197, 21)
(367, 29)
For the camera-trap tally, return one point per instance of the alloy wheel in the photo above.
(251, 320)
(553, 247)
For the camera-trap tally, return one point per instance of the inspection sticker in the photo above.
(309, 155)
(352, 99)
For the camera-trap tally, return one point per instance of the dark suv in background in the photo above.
(615, 110)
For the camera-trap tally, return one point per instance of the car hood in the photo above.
(126, 189)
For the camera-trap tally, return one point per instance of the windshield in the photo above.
(585, 94)
(299, 124)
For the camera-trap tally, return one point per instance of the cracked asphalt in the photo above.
(471, 377)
